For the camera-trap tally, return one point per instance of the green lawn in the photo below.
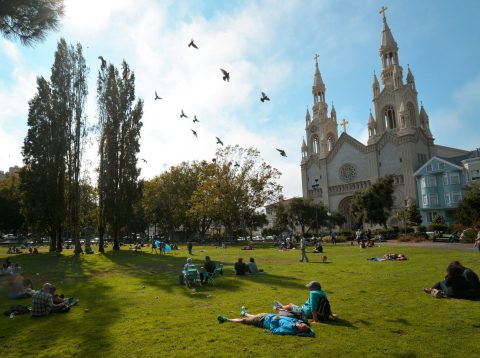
(136, 308)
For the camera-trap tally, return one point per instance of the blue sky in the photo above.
(267, 46)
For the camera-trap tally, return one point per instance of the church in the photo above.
(399, 140)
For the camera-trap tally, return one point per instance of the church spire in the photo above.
(333, 113)
(307, 117)
(375, 85)
(410, 79)
(388, 42)
(391, 69)
(318, 88)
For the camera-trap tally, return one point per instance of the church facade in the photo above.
(333, 167)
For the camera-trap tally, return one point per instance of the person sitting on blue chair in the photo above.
(208, 269)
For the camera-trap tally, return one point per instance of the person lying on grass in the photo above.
(274, 323)
(390, 257)
(310, 307)
(20, 287)
(459, 282)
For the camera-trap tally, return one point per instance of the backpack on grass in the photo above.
(324, 311)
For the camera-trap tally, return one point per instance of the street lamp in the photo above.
(316, 186)
(329, 214)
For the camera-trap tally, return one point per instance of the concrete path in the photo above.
(435, 245)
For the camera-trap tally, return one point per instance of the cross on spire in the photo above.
(316, 57)
(382, 11)
(344, 123)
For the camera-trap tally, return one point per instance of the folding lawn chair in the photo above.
(218, 272)
(191, 277)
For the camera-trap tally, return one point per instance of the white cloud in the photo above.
(14, 97)
(448, 124)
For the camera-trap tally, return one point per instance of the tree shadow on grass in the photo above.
(77, 332)
(160, 271)
(148, 267)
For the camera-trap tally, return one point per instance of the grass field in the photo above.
(136, 308)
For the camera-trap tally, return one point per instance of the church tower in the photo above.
(396, 104)
(322, 129)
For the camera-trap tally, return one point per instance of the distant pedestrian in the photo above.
(333, 235)
(190, 247)
(477, 240)
(303, 248)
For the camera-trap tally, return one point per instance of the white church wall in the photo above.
(348, 154)
(389, 160)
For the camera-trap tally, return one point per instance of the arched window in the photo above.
(412, 114)
(330, 141)
(370, 132)
(389, 118)
(315, 144)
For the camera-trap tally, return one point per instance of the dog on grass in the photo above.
(324, 258)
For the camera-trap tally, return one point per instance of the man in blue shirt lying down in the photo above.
(275, 323)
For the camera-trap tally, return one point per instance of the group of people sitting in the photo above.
(202, 273)
(9, 268)
(242, 269)
(459, 282)
(14, 250)
(290, 319)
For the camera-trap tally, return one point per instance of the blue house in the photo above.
(440, 184)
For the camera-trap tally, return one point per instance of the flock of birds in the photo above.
(226, 78)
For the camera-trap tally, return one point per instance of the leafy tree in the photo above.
(307, 214)
(468, 211)
(167, 199)
(29, 20)
(38, 181)
(52, 148)
(282, 220)
(254, 221)
(11, 218)
(240, 183)
(69, 92)
(414, 216)
(119, 143)
(438, 224)
(374, 203)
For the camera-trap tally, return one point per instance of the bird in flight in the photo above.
(226, 75)
(282, 152)
(236, 165)
(144, 160)
(194, 133)
(264, 97)
(156, 96)
(219, 141)
(104, 63)
(195, 118)
(183, 115)
(214, 160)
(192, 44)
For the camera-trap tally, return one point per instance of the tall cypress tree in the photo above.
(119, 126)
(53, 147)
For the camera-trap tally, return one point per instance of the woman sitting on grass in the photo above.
(252, 267)
(459, 282)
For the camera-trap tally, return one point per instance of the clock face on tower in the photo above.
(313, 128)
